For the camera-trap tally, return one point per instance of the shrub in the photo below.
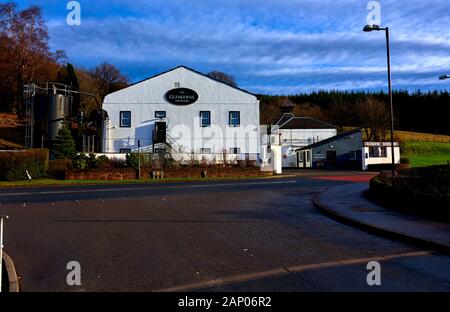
(64, 145)
(133, 161)
(80, 162)
(14, 165)
(103, 162)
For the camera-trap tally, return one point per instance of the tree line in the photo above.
(418, 112)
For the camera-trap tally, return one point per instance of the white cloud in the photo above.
(279, 46)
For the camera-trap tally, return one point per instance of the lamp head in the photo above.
(369, 28)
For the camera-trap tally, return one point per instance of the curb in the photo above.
(379, 230)
(13, 279)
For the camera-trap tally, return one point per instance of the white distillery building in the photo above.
(185, 113)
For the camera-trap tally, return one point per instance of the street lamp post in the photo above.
(369, 28)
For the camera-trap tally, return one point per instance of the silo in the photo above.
(59, 110)
(48, 114)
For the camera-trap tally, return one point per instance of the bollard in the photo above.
(1, 248)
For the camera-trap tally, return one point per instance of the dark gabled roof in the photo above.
(289, 121)
(192, 70)
(329, 140)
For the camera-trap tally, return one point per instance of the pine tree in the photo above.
(64, 145)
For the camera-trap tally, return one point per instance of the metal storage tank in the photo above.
(49, 114)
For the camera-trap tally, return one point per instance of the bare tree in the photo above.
(108, 79)
(374, 118)
(88, 84)
(24, 39)
(226, 78)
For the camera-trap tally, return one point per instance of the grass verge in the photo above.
(52, 182)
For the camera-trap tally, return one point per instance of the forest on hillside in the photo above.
(418, 112)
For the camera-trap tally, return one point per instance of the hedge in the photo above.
(419, 189)
(15, 164)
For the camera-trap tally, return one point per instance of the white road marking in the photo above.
(142, 188)
(284, 271)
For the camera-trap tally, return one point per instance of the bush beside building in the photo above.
(14, 165)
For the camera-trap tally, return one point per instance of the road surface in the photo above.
(256, 235)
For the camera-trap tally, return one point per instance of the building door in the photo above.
(307, 159)
(331, 158)
(304, 159)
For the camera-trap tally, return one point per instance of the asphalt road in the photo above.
(258, 235)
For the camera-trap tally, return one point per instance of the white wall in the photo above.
(381, 160)
(292, 139)
(144, 98)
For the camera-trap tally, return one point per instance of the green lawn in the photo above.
(422, 154)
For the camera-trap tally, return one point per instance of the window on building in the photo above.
(125, 151)
(160, 114)
(205, 119)
(352, 155)
(377, 152)
(160, 150)
(125, 119)
(234, 119)
(235, 150)
(205, 151)
(176, 85)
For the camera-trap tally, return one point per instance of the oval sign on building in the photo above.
(181, 96)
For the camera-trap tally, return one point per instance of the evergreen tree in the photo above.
(64, 145)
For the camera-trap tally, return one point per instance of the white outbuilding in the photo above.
(185, 113)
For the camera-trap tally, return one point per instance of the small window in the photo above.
(125, 119)
(205, 119)
(125, 151)
(160, 114)
(352, 155)
(235, 150)
(205, 151)
(176, 85)
(234, 119)
(377, 152)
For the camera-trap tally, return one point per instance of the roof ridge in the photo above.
(190, 69)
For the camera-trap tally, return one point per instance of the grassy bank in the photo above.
(422, 154)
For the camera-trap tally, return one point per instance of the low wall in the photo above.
(115, 174)
(101, 174)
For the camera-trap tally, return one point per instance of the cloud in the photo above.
(270, 46)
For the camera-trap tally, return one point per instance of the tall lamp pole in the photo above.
(370, 28)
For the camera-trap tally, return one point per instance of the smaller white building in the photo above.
(293, 133)
(379, 153)
(347, 151)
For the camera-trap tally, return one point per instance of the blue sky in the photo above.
(270, 46)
